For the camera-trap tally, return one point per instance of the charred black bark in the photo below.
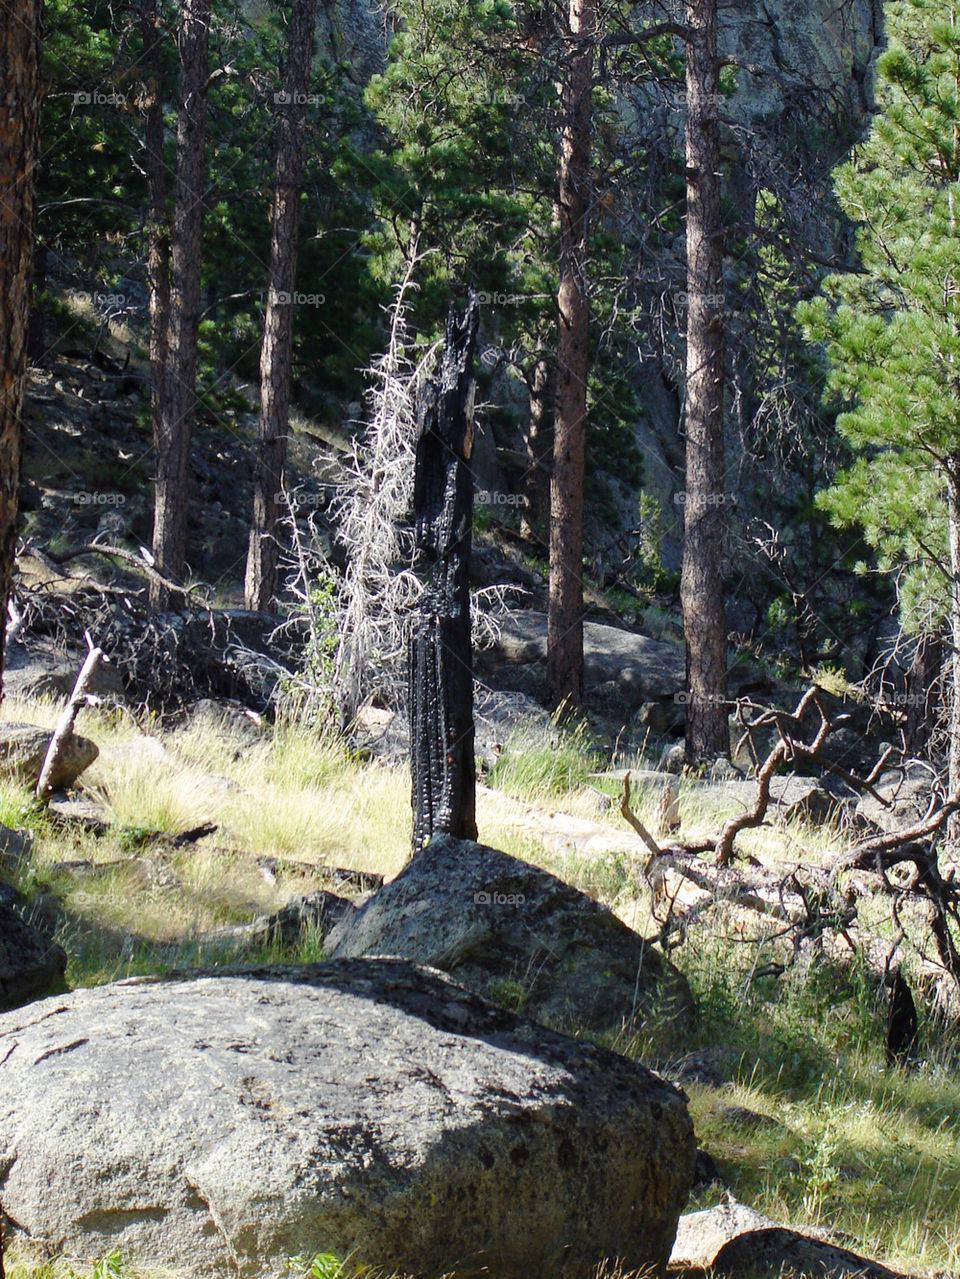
(440, 665)
(902, 1023)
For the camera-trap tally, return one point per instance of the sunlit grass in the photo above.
(835, 1137)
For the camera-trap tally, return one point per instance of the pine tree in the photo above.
(261, 580)
(701, 585)
(892, 328)
(19, 115)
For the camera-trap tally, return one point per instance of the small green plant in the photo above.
(508, 994)
(820, 1172)
(109, 1266)
(323, 1266)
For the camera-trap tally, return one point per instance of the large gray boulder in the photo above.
(32, 964)
(23, 748)
(220, 1124)
(616, 661)
(515, 933)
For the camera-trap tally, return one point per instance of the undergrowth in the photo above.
(795, 1101)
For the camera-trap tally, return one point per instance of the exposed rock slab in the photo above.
(558, 832)
(732, 1239)
(904, 799)
(219, 1124)
(813, 798)
(502, 927)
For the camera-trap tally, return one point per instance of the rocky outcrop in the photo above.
(515, 933)
(23, 748)
(318, 911)
(220, 1124)
(618, 664)
(900, 799)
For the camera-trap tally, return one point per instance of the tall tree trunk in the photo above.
(442, 765)
(260, 586)
(157, 229)
(173, 425)
(536, 478)
(19, 130)
(565, 609)
(953, 528)
(701, 582)
(924, 679)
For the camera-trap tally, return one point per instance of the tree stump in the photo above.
(440, 669)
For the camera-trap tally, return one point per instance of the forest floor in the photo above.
(785, 1073)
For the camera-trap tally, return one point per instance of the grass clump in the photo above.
(534, 772)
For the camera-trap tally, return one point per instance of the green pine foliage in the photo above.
(892, 327)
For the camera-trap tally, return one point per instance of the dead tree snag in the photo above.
(440, 668)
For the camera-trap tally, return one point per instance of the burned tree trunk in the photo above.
(440, 666)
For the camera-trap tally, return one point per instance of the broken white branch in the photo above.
(64, 729)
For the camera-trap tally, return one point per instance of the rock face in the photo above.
(319, 910)
(904, 799)
(515, 933)
(23, 748)
(732, 1239)
(816, 799)
(639, 669)
(31, 963)
(219, 1124)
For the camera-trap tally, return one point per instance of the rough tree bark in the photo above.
(157, 229)
(701, 584)
(922, 688)
(19, 129)
(440, 665)
(565, 609)
(952, 472)
(536, 478)
(260, 585)
(173, 424)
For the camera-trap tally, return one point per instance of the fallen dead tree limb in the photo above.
(64, 729)
(785, 749)
(126, 557)
(633, 820)
(884, 851)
